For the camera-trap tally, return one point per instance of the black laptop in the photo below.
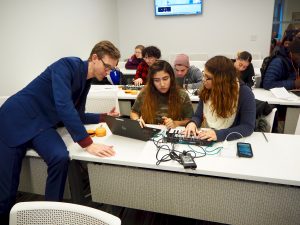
(130, 128)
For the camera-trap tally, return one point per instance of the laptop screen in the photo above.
(129, 128)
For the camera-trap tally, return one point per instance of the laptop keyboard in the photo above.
(132, 87)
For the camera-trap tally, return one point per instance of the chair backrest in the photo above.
(46, 213)
(198, 64)
(270, 118)
(3, 99)
(102, 98)
(297, 130)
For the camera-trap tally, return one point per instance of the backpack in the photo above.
(266, 62)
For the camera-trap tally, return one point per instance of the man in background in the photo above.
(189, 77)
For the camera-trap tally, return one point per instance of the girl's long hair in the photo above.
(224, 93)
(150, 104)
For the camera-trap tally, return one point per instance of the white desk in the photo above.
(292, 111)
(262, 190)
(266, 95)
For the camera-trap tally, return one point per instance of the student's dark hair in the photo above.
(105, 48)
(150, 105)
(294, 46)
(151, 51)
(225, 88)
(246, 56)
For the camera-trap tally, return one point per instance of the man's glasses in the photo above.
(107, 66)
(205, 77)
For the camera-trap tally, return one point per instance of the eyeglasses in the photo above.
(205, 77)
(107, 66)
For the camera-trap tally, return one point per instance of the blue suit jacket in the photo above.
(57, 95)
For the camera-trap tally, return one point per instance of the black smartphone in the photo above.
(244, 150)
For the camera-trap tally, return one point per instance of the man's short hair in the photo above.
(151, 51)
(105, 48)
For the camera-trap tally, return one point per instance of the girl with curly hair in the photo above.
(226, 106)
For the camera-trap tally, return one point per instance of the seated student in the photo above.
(161, 101)
(150, 55)
(186, 75)
(283, 70)
(226, 106)
(133, 62)
(243, 64)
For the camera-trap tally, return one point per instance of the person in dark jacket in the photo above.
(226, 107)
(28, 120)
(246, 71)
(283, 70)
(133, 62)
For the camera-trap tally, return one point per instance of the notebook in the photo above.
(130, 128)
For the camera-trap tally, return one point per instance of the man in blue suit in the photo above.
(28, 120)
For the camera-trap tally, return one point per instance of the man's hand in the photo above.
(113, 112)
(100, 150)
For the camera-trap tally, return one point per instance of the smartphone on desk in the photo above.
(244, 150)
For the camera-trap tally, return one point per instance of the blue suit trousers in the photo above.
(51, 148)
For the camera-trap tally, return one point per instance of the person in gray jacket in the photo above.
(187, 76)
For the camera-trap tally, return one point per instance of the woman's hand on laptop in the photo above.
(141, 122)
(100, 150)
(113, 112)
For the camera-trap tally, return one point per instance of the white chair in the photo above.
(270, 118)
(3, 99)
(297, 130)
(49, 213)
(256, 56)
(198, 64)
(257, 63)
(102, 98)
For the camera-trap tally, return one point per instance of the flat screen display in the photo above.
(177, 7)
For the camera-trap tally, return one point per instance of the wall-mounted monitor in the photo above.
(177, 7)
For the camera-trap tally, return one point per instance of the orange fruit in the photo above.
(134, 92)
(100, 132)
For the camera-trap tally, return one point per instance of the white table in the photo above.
(262, 190)
(266, 95)
(292, 111)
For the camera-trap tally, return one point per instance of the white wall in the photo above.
(35, 33)
(224, 27)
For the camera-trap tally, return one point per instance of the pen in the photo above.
(265, 137)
